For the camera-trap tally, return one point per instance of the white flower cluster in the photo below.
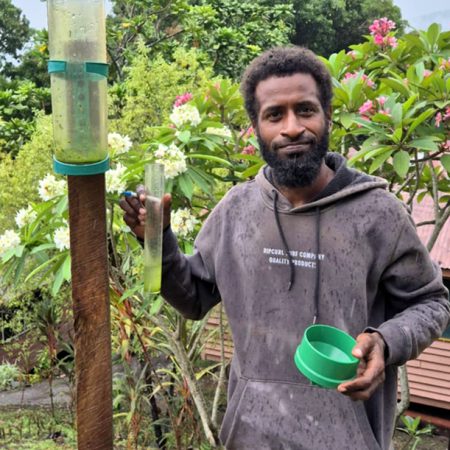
(61, 237)
(118, 144)
(25, 216)
(114, 181)
(224, 132)
(8, 240)
(50, 187)
(185, 114)
(182, 222)
(173, 159)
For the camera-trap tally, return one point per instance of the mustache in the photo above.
(304, 141)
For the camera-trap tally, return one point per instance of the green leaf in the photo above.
(66, 268)
(420, 69)
(42, 247)
(401, 163)
(397, 135)
(186, 185)
(210, 158)
(200, 179)
(59, 278)
(445, 161)
(252, 170)
(433, 33)
(347, 119)
(397, 114)
(42, 266)
(184, 136)
(396, 86)
(379, 161)
(129, 292)
(156, 305)
(418, 120)
(424, 143)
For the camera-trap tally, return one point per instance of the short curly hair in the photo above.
(282, 62)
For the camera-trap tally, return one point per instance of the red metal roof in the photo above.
(422, 212)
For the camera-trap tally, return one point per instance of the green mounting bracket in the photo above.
(55, 66)
(81, 169)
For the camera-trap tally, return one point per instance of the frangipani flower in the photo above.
(114, 181)
(25, 216)
(183, 222)
(8, 240)
(185, 115)
(118, 144)
(173, 159)
(50, 187)
(61, 237)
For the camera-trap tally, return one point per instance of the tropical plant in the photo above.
(9, 374)
(411, 427)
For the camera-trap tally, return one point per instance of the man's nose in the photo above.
(292, 126)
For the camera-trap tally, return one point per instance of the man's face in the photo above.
(292, 128)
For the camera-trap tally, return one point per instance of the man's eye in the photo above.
(274, 115)
(306, 110)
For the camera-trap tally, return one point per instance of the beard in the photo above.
(301, 169)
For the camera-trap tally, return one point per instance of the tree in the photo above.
(32, 63)
(229, 32)
(14, 30)
(328, 26)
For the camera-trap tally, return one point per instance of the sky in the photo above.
(419, 13)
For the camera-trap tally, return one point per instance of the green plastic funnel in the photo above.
(325, 357)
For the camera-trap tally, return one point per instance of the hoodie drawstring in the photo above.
(291, 262)
(283, 239)
(317, 289)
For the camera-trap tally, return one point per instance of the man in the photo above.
(308, 240)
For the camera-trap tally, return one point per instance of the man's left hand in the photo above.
(369, 349)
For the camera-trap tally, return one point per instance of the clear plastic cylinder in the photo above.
(154, 188)
(77, 34)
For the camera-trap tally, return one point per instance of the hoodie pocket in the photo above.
(286, 416)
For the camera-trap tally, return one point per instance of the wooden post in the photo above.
(90, 295)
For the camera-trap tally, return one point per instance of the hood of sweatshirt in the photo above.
(345, 183)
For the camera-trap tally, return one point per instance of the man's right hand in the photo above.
(135, 212)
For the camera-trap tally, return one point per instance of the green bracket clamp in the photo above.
(97, 68)
(54, 66)
(81, 169)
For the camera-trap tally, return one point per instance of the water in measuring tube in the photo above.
(153, 245)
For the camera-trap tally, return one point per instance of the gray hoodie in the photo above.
(353, 259)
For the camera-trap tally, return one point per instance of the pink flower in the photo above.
(378, 39)
(438, 120)
(381, 100)
(446, 145)
(364, 77)
(427, 73)
(248, 150)
(249, 132)
(385, 112)
(352, 54)
(445, 64)
(381, 26)
(391, 41)
(182, 99)
(366, 108)
(447, 113)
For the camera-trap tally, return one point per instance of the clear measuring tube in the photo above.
(154, 187)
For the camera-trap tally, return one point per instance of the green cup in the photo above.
(325, 357)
